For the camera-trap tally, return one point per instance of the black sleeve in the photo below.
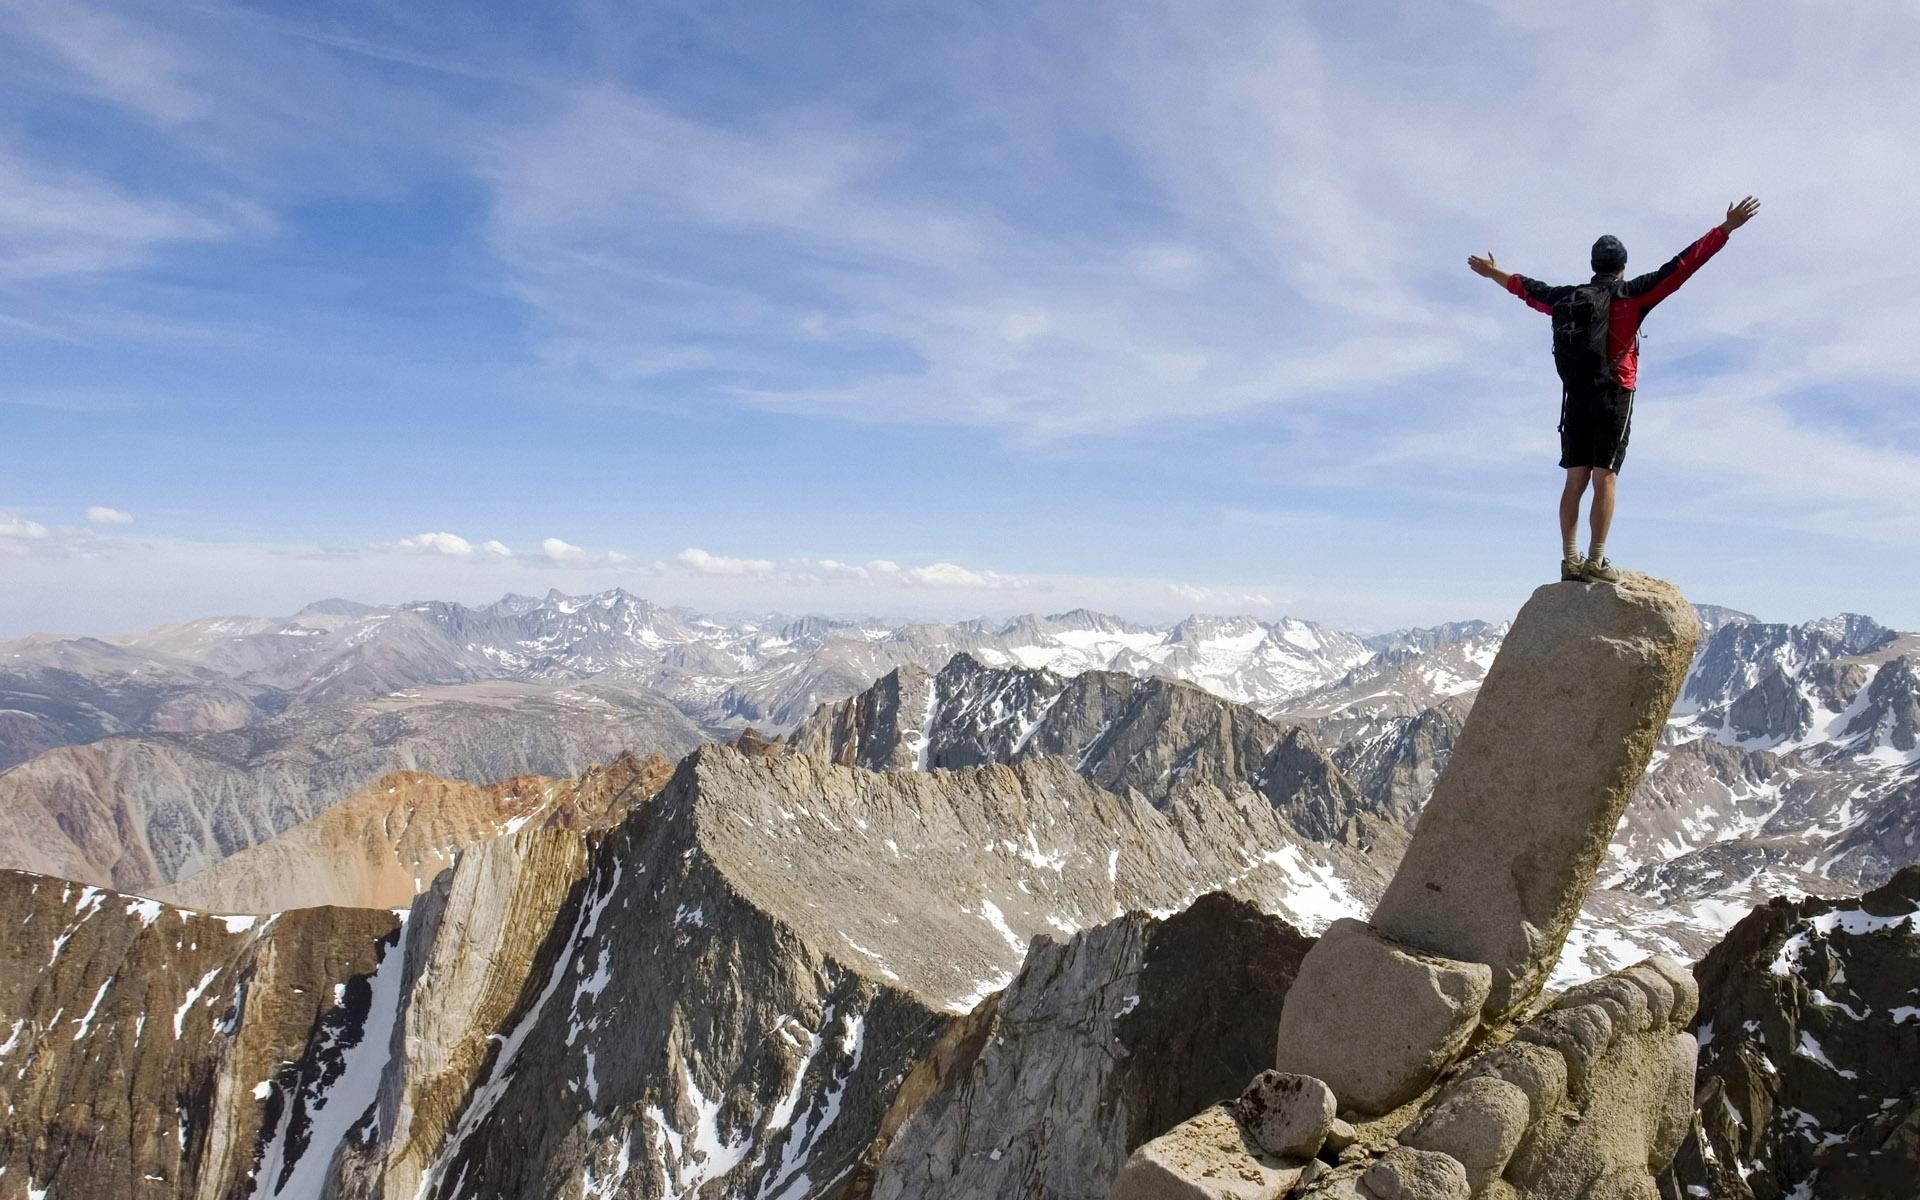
(1542, 296)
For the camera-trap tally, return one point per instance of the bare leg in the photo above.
(1570, 501)
(1602, 515)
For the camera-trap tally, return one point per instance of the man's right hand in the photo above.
(1487, 267)
(1740, 213)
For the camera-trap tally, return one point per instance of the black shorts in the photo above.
(1593, 427)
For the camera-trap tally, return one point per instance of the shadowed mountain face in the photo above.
(1809, 1033)
(136, 812)
(1143, 737)
(145, 1044)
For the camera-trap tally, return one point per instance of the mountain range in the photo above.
(978, 929)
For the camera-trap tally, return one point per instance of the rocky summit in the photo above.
(1563, 728)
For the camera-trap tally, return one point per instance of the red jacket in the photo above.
(1631, 303)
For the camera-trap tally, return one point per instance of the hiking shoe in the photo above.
(1599, 570)
(1573, 570)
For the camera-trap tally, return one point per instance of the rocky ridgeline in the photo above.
(1809, 1034)
(745, 968)
(721, 992)
(1588, 1099)
(1150, 737)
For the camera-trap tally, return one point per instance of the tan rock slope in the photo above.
(384, 844)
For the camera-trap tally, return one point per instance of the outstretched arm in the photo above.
(1655, 286)
(1537, 295)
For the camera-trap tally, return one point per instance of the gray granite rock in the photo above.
(1479, 1122)
(1558, 738)
(1376, 1019)
(1287, 1115)
(1404, 1173)
(1208, 1157)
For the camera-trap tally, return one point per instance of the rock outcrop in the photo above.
(1587, 1099)
(1504, 853)
(1558, 738)
(1809, 1035)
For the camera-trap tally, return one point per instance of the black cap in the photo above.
(1609, 254)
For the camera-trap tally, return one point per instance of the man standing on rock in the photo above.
(1596, 349)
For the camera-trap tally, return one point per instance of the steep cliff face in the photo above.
(149, 1049)
(1098, 1044)
(480, 942)
(380, 846)
(137, 812)
(1809, 1034)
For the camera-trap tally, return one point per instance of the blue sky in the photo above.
(847, 308)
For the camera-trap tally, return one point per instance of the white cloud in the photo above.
(952, 575)
(12, 525)
(696, 559)
(59, 223)
(496, 549)
(560, 551)
(450, 544)
(100, 514)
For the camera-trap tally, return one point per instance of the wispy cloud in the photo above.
(101, 514)
(13, 525)
(1205, 259)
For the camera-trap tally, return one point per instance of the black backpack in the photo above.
(1580, 320)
